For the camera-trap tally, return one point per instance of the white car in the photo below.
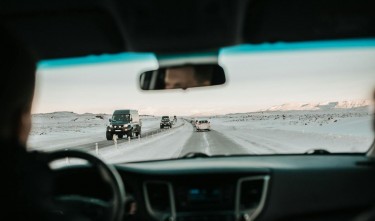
(203, 125)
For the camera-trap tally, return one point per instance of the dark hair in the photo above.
(373, 114)
(17, 82)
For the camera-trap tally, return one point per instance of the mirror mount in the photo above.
(199, 58)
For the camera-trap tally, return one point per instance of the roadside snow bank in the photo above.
(338, 130)
(61, 129)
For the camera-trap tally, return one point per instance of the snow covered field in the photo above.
(267, 132)
(336, 130)
(65, 129)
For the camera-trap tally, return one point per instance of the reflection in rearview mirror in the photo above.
(183, 77)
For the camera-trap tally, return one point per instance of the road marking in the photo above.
(182, 146)
(207, 149)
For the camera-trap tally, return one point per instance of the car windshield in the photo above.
(121, 117)
(284, 98)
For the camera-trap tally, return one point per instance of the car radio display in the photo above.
(204, 194)
(205, 197)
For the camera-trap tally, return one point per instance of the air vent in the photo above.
(159, 199)
(251, 195)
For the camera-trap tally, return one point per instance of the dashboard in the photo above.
(283, 187)
(206, 197)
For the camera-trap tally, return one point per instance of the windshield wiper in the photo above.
(318, 152)
(195, 155)
(204, 155)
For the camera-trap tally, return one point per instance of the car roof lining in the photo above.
(81, 27)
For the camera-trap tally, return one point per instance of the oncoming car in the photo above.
(287, 85)
(203, 125)
(124, 123)
(165, 122)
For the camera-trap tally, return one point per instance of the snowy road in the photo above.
(150, 131)
(212, 143)
(174, 143)
(231, 139)
(255, 133)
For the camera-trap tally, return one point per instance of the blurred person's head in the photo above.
(17, 72)
(180, 77)
(187, 76)
(373, 114)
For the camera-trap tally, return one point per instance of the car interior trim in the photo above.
(149, 208)
(253, 213)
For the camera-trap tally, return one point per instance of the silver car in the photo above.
(203, 125)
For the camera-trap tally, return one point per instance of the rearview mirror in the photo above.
(182, 77)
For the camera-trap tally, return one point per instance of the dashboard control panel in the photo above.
(207, 199)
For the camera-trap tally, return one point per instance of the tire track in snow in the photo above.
(212, 143)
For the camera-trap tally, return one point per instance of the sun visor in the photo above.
(296, 20)
(73, 33)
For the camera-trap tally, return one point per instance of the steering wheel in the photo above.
(109, 174)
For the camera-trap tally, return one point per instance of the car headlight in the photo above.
(125, 125)
(110, 126)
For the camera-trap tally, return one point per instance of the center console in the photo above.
(211, 197)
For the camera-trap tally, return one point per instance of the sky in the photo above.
(255, 80)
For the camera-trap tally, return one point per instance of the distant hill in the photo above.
(60, 114)
(321, 106)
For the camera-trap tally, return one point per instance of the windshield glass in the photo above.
(121, 117)
(278, 99)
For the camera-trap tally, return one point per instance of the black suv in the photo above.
(165, 122)
(124, 122)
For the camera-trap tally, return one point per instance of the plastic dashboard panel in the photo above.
(300, 186)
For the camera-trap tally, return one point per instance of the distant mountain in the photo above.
(68, 114)
(321, 106)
